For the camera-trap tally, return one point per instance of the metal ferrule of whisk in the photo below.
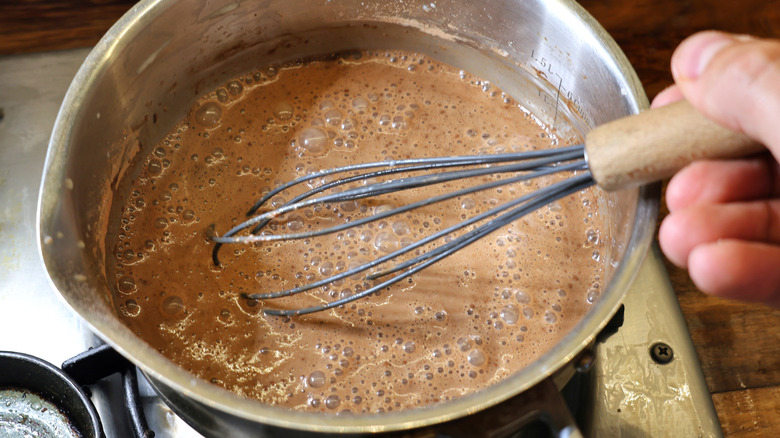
(405, 175)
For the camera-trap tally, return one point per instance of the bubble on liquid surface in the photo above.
(172, 305)
(591, 238)
(332, 402)
(326, 269)
(283, 111)
(386, 242)
(160, 223)
(347, 124)
(464, 344)
(477, 358)
(510, 314)
(348, 206)
(316, 379)
(234, 88)
(224, 316)
(126, 285)
(333, 117)
(401, 228)
(155, 167)
(360, 103)
(326, 105)
(314, 140)
(295, 223)
(208, 115)
(522, 297)
(130, 308)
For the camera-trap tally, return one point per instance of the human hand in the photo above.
(724, 220)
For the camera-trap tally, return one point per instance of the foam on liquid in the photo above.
(463, 324)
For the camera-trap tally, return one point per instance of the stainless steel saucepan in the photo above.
(147, 70)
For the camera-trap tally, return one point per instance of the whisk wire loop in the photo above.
(384, 188)
(528, 165)
(397, 166)
(557, 191)
(531, 160)
(428, 239)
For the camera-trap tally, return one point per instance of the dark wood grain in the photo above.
(738, 344)
(749, 413)
(649, 30)
(38, 25)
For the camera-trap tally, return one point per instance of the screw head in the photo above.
(661, 353)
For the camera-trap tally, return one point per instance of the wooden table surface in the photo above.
(738, 344)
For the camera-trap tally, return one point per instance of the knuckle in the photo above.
(772, 231)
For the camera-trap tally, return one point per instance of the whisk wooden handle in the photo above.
(655, 144)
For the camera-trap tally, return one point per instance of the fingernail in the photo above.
(695, 53)
(670, 94)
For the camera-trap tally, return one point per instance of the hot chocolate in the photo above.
(463, 324)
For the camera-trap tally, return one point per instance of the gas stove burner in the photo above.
(38, 399)
(98, 363)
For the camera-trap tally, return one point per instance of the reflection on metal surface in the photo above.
(633, 394)
(33, 319)
(31, 90)
(41, 417)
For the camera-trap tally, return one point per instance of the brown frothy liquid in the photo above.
(460, 325)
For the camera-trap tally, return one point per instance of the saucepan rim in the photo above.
(163, 370)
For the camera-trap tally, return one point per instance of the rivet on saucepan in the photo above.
(661, 353)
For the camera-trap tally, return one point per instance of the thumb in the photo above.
(734, 80)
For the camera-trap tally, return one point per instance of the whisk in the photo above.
(621, 154)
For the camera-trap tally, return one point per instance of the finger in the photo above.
(746, 271)
(719, 181)
(683, 231)
(667, 96)
(734, 80)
